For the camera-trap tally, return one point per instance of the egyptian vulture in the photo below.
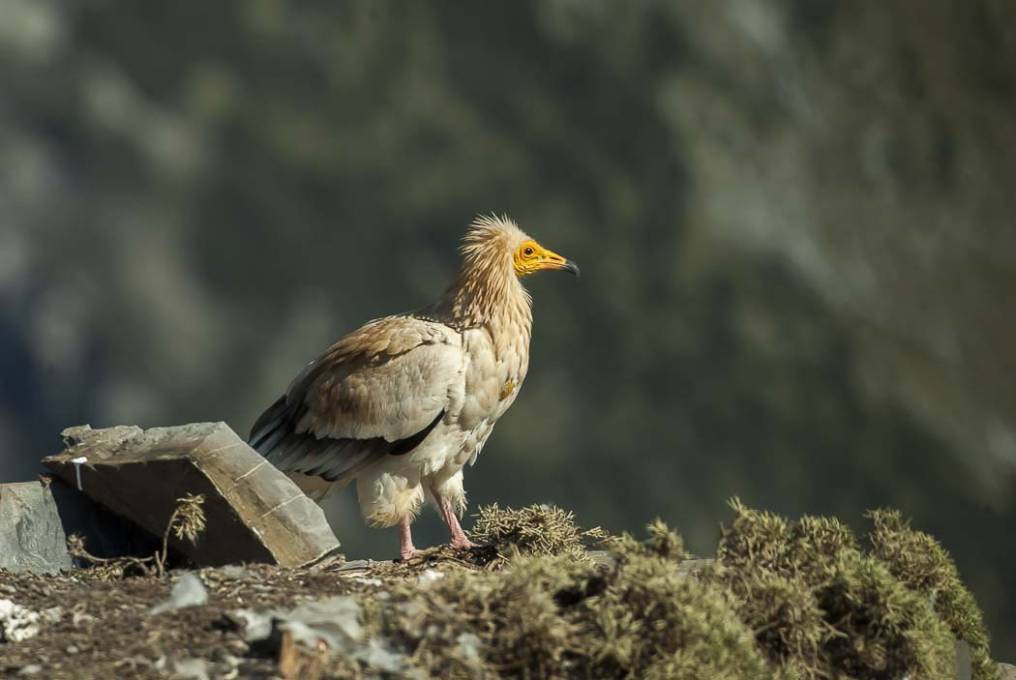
(401, 404)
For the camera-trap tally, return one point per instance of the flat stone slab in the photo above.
(254, 512)
(37, 517)
(32, 537)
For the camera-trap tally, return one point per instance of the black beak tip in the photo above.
(570, 265)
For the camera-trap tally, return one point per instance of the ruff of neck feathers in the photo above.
(487, 292)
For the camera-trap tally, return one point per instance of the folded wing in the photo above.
(379, 391)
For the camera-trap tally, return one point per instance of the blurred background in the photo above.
(794, 219)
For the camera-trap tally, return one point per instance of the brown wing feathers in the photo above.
(377, 392)
(274, 436)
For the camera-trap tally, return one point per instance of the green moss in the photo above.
(883, 629)
(663, 541)
(468, 624)
(559, 615)
(653, 621)
(784, 601)
(755, 540)
(820, 607)
(920, 562)
(783, 612)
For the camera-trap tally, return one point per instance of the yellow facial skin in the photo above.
(531, 257)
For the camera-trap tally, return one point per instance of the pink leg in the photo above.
(459, 539)
(406, 548)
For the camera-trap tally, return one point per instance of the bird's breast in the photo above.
(492, 378)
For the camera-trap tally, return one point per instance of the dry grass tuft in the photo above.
(188, 519)
(534, 530)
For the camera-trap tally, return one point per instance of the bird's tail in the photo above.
(271, 427)
(269, 437)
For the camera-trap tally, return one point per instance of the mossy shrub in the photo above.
(822, 608)
(652, 621)
(920, 562)
(784, 601)
(557, 616)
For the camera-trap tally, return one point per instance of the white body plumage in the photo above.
(484, 386)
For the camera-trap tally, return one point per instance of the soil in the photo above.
(105, 629)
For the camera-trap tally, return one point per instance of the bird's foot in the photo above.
(477, 554)
(458, 538)
(462, 543)
(409, 553)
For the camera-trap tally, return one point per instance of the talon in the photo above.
(462, 543)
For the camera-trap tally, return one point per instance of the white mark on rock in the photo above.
(220, 449)
(251, 471)
(78, 462)
(281, 505)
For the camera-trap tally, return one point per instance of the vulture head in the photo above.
(498, 244)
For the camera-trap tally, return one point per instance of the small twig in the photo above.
(186, 522)
(76, 548)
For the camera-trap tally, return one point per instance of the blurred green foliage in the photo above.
(794, 219)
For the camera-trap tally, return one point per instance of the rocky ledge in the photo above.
(119, 569)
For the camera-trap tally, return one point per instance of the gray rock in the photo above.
(36, 518)
(256, 626)
(235, 572)
(254, 512)
(380, 657)
(32, 537)
(1006, 671)
(964, 667)
(188, 591)
(333, 622)
(694, 565)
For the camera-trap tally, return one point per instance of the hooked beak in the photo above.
(552, 260)
(570, 266)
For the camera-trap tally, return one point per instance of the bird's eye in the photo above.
(528, 252)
